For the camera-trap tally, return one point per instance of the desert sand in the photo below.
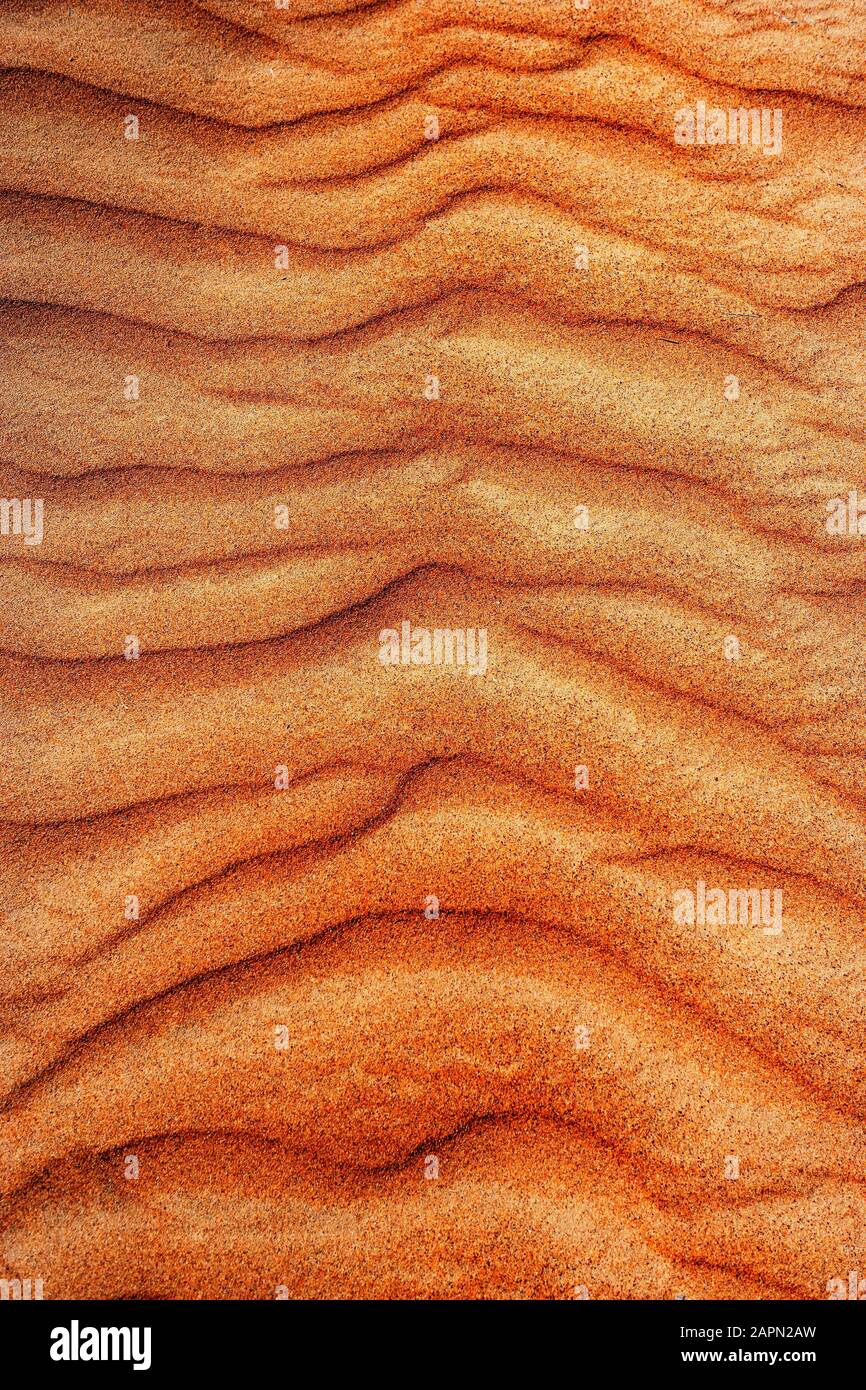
(433, 696)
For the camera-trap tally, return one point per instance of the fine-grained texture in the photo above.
(432, 681)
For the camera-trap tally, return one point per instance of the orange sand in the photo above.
(323, 977)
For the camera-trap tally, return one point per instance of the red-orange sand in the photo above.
(432, 668)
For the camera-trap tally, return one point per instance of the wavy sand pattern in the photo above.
(432, 672)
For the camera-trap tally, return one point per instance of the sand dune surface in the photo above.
(432, 600)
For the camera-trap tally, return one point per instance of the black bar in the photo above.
(236, 1338)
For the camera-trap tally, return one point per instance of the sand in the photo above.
(433, 828)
